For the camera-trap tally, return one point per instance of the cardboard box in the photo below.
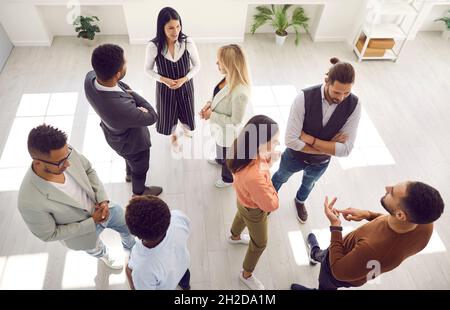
(381, 43)
(370, 52)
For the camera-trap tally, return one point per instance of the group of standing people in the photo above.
(61, 197)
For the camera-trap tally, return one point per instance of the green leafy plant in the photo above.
(446, 20)
(85, 28)
(277, 16)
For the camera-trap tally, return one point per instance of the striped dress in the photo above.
(174, 104)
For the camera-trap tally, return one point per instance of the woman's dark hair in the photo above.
(423, 204)
(342, 72)
(147, 217)
(165, 15)
(259, 130)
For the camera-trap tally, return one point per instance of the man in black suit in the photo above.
(124, 114)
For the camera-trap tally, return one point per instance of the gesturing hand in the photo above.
(352, 214)
(331, 213)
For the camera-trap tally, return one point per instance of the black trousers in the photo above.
(137, 166)
(326, 278)
(222, 153)
(184, 282)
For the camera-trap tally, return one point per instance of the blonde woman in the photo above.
(226, 109)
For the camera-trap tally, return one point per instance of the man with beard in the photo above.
(380, 245)
(322, 123)
(62, 199)
(124, 114)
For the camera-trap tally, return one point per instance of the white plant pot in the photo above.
(280, 39)
(90, 43)
(446, 34)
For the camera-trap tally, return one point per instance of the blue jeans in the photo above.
(289, 165)
(115, 221)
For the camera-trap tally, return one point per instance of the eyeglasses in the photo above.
(59, 164)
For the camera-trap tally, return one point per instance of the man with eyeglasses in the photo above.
(61, 197)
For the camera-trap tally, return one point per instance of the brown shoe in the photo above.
(302, 214)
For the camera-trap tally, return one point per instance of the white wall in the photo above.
(5, 47)
(204, 20)
(112, 19)
(310, 10)
(24, 25)
(437, 11)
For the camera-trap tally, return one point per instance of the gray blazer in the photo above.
(124, 126)
(52, 215)
(228, 111)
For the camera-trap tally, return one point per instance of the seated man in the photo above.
(61, 197)
(160, 259)
(380, 245)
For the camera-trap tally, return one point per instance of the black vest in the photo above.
(312, 123)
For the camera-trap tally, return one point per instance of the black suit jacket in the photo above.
(124, 125)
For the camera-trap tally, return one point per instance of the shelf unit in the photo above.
(398, 13)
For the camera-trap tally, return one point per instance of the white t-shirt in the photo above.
(71, 188)
(162, 267)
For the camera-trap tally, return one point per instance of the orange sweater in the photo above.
(353, 257)
(254, 187)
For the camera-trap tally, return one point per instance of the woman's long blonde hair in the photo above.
(234, 62)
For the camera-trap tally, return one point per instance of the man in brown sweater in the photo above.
(379, 245)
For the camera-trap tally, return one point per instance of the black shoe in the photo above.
(299, 287)
(302, 214)
(312, 243)
(128, 178)
(152, 190)
(185, 288)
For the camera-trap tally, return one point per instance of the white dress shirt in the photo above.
(297, 116)
(106, 88)
(162, 267)
(152, 51)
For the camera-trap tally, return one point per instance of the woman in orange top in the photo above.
(253, 155)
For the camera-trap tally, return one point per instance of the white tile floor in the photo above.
(403, 135)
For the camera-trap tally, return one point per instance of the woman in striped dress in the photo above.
(173, 53)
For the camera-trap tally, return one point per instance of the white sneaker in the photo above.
(221, 184)
(251, 282)
(111, 263)
(213, 162)
(245, 239)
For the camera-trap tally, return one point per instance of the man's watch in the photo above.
(335, 228)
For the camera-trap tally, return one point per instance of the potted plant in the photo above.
(86, 29)
(446, 20)
(277, 16)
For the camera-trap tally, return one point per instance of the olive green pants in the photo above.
(256, 222)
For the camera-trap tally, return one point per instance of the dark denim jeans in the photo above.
(289, 165)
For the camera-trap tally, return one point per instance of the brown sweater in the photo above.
(375, 240)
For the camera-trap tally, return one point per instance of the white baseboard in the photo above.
(32, 43)
(199, 40)
(329, 39)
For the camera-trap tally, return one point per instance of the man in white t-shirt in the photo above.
(160, 259)
(61, 197)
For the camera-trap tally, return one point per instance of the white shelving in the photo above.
(386, 19)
